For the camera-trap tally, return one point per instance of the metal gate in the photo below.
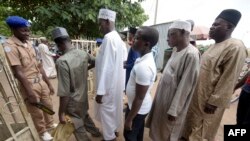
(15, 121)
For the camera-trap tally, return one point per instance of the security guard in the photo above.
(34, 84)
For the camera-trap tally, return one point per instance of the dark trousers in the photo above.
(136, 134)
(243, 110)
(90, 125)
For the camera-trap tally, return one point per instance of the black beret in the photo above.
(132, 30)
(231, 15)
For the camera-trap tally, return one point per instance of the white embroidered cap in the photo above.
(181, 25)
(107, 14)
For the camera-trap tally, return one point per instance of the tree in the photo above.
(4, 30)
(79, 17)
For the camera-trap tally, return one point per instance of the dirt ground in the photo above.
(229, 116)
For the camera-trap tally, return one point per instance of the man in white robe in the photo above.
(46, 55)
(110, 76)
(176, 86)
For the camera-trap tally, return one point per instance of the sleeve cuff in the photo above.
(99, 92)
(15, 64)
(172, 113)
(143, 83)
(219, 103)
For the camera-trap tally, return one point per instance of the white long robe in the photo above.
(110, 82)
(173, 95)
(48, 62)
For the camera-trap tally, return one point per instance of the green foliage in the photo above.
(4, 29)
(79, 17)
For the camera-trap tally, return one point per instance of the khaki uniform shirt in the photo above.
(24, 55)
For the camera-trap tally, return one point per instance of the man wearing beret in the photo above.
(34, 84)
(220, 68)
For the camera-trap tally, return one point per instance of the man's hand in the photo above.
(62, 119)
(210, 109)
(125, 64)
(128, 125)
(171, 118)
(98, 99)
(52, 91)
(19, 73)
(32, 98)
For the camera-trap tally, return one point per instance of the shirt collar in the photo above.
(68, 50)
(144, 57)
(18, 42)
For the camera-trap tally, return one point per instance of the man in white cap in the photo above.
(110, 76)
(220, 68)
(72, 69)
(176, 86)
(46, 55)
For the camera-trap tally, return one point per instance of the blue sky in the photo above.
(203, 12)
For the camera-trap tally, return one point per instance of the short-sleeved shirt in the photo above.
(143, 73)
(72, 68)
(22, 54)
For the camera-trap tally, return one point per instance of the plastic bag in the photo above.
(63, 131)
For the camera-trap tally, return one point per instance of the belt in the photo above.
(35, 80)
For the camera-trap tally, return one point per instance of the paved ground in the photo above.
(229, 116)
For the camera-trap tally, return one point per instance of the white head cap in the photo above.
(107, 14)
(181, 25)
